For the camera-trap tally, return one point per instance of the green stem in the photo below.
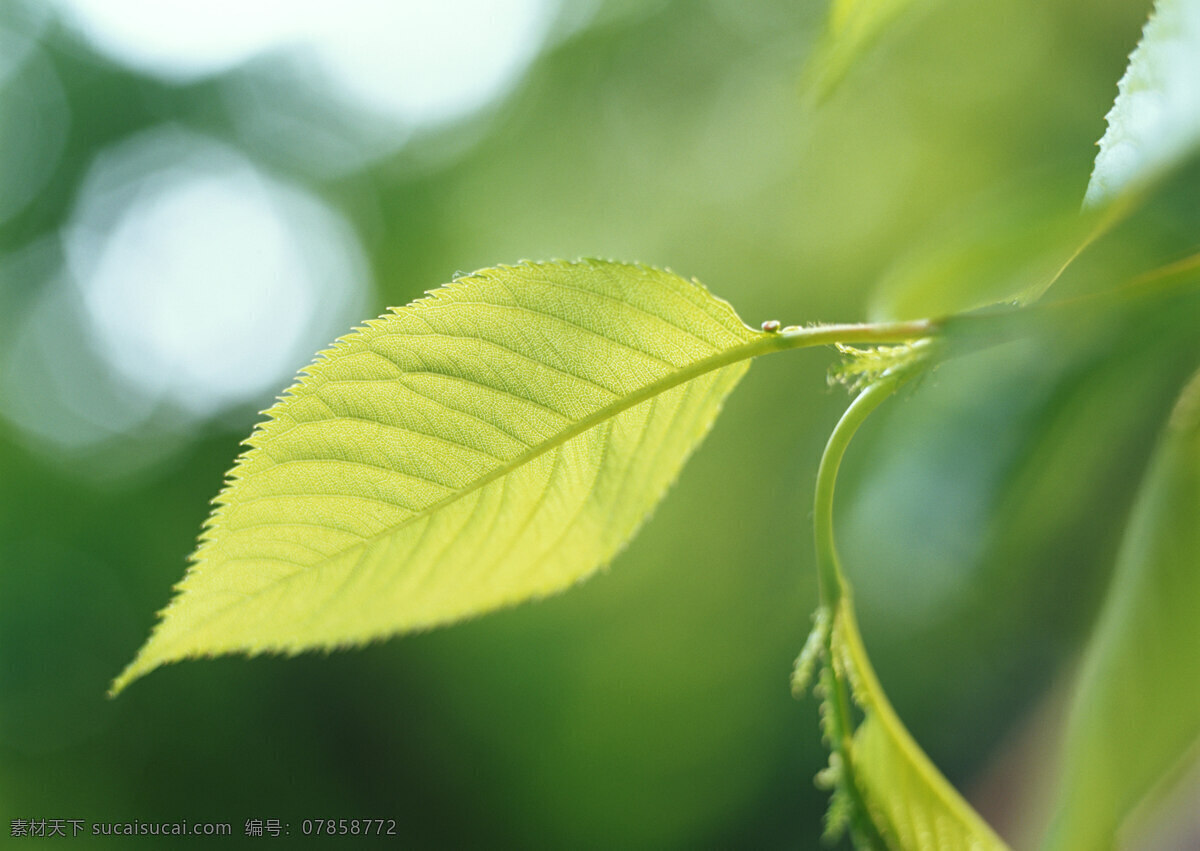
(829, 572)
(795, 337)
(842, 733)
(835, 593)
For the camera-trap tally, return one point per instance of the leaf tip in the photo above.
(135, 670)
(149, 656)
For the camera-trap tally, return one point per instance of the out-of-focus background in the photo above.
(195, 196)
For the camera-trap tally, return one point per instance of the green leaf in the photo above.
(885, 789)
(854, 26)
(1009, 250)
(1136, 710)
(494, 442)
(909, 803)
(1155, 120)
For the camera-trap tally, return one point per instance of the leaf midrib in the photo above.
(761, 344)
(648, 391)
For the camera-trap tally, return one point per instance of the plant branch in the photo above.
(829, 571)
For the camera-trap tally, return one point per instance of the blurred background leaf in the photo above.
(165, 203)
(853, 28)
(1007, 248)
(1135, 715)
(1155, 120)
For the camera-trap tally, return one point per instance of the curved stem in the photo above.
(829, 571)
(834, 592)
(795, 337)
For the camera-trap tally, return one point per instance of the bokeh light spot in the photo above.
(419, 63)
(205, 281)
(186, 283)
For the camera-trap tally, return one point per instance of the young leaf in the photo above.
(494, 442)
(1136, 710)
(885, 788)
(1155, 120)
(908, 801)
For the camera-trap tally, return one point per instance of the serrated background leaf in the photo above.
(1155, 120)
(1136, 710)
(911, 804)
(493, 442)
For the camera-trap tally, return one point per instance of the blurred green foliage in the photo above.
(649, 708)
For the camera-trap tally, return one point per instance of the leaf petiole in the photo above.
(832, 584)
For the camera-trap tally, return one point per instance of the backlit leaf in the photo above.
(1155, 120)
(494, 442)
(1136, 710)
(910, 804)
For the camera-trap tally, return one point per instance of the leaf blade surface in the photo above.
(1155, 120)
(910, 803)
(496, 441)
(1136, 710)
